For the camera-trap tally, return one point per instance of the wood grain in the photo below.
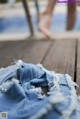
(61, 57)
(78, 66)
(28, 51)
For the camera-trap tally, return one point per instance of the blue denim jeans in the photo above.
(22, 95)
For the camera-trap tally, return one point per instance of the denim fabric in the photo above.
(22, 95)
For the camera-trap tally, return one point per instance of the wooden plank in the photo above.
(1, 44)
(35, 51)
(78, 66)
(28, 51)
(28, 16)
(61, 57)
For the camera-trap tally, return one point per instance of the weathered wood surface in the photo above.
(28, 51)
(78, 65)
(62, 56)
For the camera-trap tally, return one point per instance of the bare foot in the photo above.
(44, 24)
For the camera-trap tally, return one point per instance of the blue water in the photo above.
(18, 24)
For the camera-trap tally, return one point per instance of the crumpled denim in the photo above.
(22, 95)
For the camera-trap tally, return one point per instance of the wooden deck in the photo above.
(62, 56)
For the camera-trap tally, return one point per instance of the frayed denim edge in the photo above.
(52, 101)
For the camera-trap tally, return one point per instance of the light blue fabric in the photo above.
(22, 97)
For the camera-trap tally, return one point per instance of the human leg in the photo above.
(45, 18)
(71, 15)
